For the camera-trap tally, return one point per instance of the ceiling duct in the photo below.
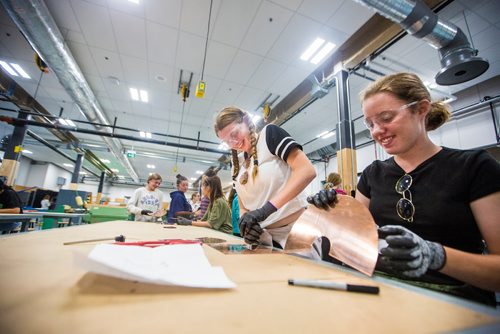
(39, 28)
(459, 61)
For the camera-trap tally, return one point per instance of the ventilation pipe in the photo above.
(39, 28)
(459, 61)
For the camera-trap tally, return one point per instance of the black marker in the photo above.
(334, 286)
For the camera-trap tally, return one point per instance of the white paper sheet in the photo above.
(182, 265)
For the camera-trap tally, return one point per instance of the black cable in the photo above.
(206, 42)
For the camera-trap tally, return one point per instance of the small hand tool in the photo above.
(119, 238)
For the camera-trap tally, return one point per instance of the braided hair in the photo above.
(230, 115)
(236, 170)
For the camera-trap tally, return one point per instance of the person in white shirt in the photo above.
(146, 203)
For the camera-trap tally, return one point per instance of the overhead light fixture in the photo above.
(134, 1)
(318, 42)
(256, 119)
(192, 178)
(144, 95)
(223, 147)
(20, 70)
(83, 173)
(322, 134)
(27, 151)
(450, 99)
(9, 69)
(134, 94)
(151, 166)
(106, 161)
(66, 122)
(323, 53)
(68, 165)
(92, 145)
(199, 172)
(312, 50)
(12, 68)
(70, 123)
(144, 134)
(137, 95)
(120, 176)
(114, 170)
(328, 135)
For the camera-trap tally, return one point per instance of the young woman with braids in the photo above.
(270, 173)
(436, 207)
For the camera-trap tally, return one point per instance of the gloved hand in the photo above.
(324, 199)
(407, 253)
(183, 221)
(146, 212)
(250, 228)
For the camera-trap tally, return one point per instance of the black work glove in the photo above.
(146, 212)
(250, 228)
(183, 221)
(407, 253)
(324, 199)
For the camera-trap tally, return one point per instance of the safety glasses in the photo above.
(405, 207)
(385, 117)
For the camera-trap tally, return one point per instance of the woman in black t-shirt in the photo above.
(434, 205)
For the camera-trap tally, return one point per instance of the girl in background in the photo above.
(178, 203)
(218, 215)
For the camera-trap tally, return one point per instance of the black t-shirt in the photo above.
(9, 199)
(442, 189)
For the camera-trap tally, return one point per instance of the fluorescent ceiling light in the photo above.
(121, 176)
(322, 134)
(322, 53)
(450, 99)
(62, 121)
(223, 146)
(134, 94)
(106, 161)
(134, 1)
(199, 172)
(20, 70)
(256, 118)
(83, 173)
(114, 170)
(192, 178)
(8, 68)
(27, 151)
(92, 145)
(68, 165)
(144, 95)
(312, 49)
(142, 134)
(70, 123)
(151, 166)
(328, 135)
(207, 162)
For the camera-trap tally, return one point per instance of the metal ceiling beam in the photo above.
(14, 120)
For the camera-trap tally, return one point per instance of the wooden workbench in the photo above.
(43, 291)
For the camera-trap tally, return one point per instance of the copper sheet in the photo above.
(349, 227)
